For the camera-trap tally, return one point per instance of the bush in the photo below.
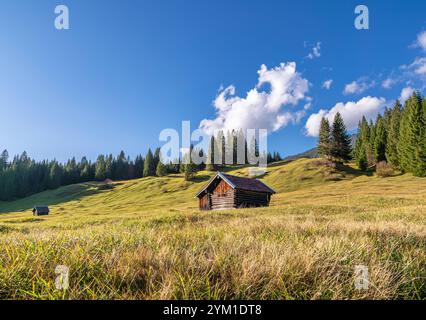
(384, 170)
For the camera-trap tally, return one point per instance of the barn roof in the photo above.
(240, 183)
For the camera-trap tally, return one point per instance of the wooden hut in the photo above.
(41, 210)
(224, 191)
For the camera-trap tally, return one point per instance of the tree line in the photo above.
(396, 139)
(22, 176)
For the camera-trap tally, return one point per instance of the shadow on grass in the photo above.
(53, 197)
(352, 171)
(201, 178)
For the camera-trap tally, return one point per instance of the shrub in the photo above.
(384, 170)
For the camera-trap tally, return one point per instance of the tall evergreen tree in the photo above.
(324, 140)
(100, 171)
(411, 145)
(161, 170)
(4, 158)
(189, 167)
(55, 176)
(393, 135)
(149, 165)
(380, 140)
(210, 165)
(340, 140)
(362, 144)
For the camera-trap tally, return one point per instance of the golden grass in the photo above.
(145, 239)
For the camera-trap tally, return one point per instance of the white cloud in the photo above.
(421, 40)
(261, 109)
(351, 112)
(418, 66)
(327, 84)
(359, 86)
(316, 51)
(405, 94)
(388, 83)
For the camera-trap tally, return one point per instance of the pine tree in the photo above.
(4, 158)
(210, 165)
(189, 167)
(324, 143)
(411, 145)
(362, 144)
(55, 176)
(157, 156)
(229, 148)
(149, 165)
(161, 170)
(393, 135)
(380, 140)
(100, 168)
(277, 157)
(387, 117)
(340, 140)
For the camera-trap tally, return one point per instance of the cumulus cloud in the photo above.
(405, 94)
(261, 109)
(419, 65)
(351, 112)
(358, 86)
(316, 51)
(327, 84)
(421, 40)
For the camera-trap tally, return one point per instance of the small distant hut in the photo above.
(224, 191)
(41, 210)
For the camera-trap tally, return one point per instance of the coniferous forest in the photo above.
(22, 176)
(396, 140)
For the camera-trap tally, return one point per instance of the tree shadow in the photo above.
(353, 171)
(201, 178)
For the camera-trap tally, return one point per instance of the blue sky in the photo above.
(128, 69)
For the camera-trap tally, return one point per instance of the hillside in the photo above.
(146, 239)
(157, 193)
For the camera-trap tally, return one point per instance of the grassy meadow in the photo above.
(146, 239)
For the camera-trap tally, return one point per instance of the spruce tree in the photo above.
(210, 165)
(100, 168)
(340, 140)
(362, 148)
(4, 158)
(324, 140)
(149, 165)
(189, 167)
(161, 170)
(380, 140)
(393, 135)
(55, 176)
(411, 145)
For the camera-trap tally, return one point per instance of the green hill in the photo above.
(146, 239)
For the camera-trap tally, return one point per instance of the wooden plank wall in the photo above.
(224, 197)
(244, 199)
(205, 202)
(223, 200)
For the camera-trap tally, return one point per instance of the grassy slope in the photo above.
(146, 239)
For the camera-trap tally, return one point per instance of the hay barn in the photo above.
(224, 191)
(41, 210)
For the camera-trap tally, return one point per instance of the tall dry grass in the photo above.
(305, 246)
